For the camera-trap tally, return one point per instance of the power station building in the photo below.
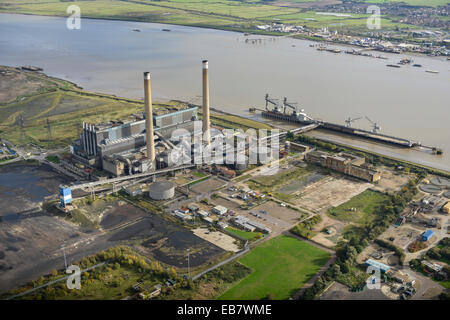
(119, 148)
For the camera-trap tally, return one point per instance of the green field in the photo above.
(245, 234)
(279, 267)
(221, 14)
(360, 208)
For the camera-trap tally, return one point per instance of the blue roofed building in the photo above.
(427, 235)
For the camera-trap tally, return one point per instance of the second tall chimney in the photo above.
(206, 130)
(149, 118)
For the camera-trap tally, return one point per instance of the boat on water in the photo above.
(405, 61)
(417, 65)
(136, 30)
(393, 66)
(431, 71)
(166, 30)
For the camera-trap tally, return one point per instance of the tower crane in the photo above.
(274, 102)
(375, 127)
(349, 121)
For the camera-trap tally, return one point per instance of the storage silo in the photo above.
(162, 190)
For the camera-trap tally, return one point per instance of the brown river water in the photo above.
(109, 57)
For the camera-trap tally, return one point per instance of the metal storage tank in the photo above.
(161, 190)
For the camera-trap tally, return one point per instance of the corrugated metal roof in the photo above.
(376, 264)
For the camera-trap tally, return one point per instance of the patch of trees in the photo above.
(229, 273)
(441, 251)
(305, 229)
(397, 251)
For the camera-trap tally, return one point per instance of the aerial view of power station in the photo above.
(224, 150)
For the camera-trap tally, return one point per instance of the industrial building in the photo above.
(144, 143)
(345, 163)
(427, 235)
(119, 148)
(375, 264)
(250, 225)
(220, 210)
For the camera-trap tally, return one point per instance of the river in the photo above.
(109, 57)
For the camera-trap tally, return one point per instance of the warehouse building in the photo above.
(378, 265)
(427, 235)
(220, 210)
(250, 225)
(345, 163)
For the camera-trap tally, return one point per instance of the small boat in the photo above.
(405, 61)
(136, 30)
(166, 30)
(393, 65)
(417, 65)
(431, 71)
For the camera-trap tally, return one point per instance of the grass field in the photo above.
(360, 208)
(245, 234)
(65, 110)
(221, 14)
(279, 267)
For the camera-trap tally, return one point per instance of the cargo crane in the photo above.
(375, 127)
(272, 101)
(292, 105)
(349, 121)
